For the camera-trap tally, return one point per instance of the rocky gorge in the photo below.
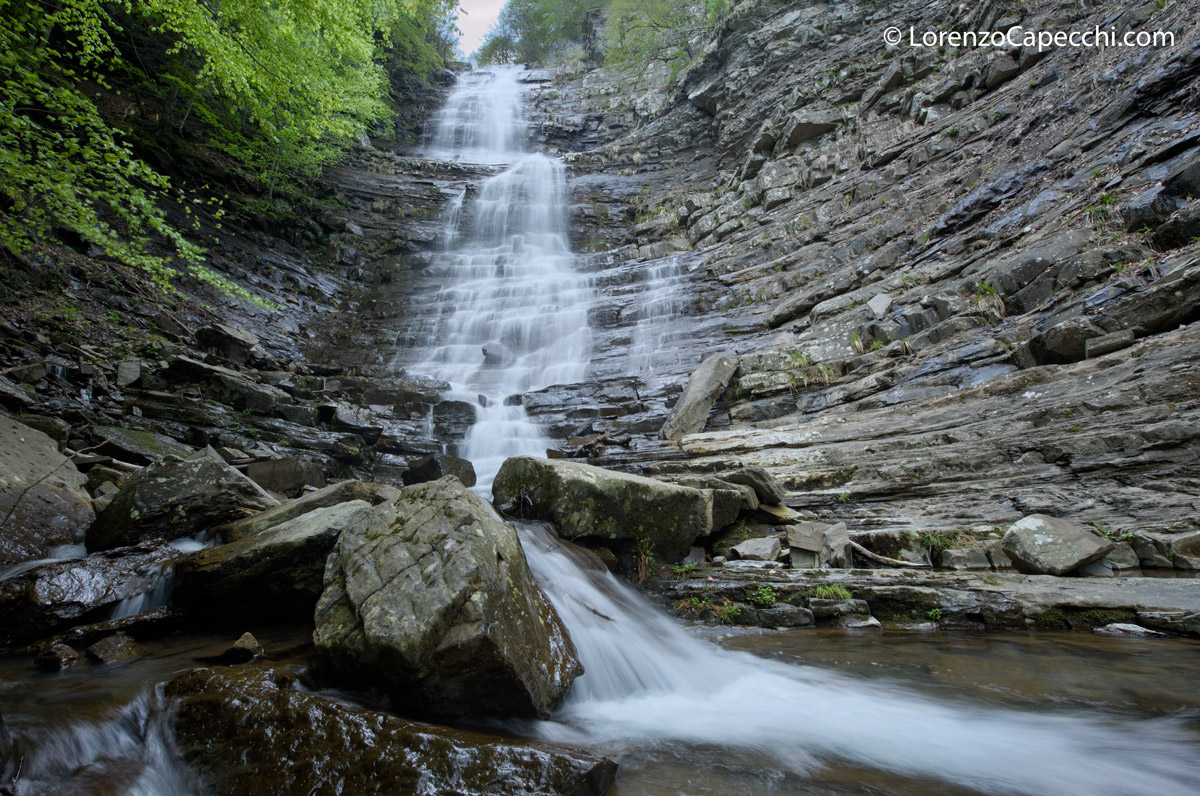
(825, 334)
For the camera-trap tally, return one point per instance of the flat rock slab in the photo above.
(255, 734)
(690, 413)
(983, 599)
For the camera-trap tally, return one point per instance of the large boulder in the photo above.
(429, 597)
(276, 573)
(332, 495)
(254, 734)
(819, 544)
(62, 594)
(1043, 545)
(437, 465)
(585, 501)
(177, 498)
(43, 498)
(690, 413)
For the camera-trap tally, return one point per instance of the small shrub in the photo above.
(831, 591)
(762, 597)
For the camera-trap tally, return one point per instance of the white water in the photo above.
(512, 311)
(650, 685)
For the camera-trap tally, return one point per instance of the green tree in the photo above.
(282, 88)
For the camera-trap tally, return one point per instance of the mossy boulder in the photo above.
(43, 498)
(275, 574)
(251, 732)
(177, 498)
(585, 501)
(429, 598)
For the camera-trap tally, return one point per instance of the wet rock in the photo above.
(228, 386)
(819, 544)
(286, 475)
(13, 396)
(332, 495)
(129, 373)
(1042, 545)
(1127, 629)
(690, 413)
(43, 497)
(54, 596)
(275, 573)
(139, 447)
(764, 549)
(7, 758)
(244, 650)
(1066, 341)
(438, 465)
(861, 623)
(1107, 343)
(783, 615)
(177, 498)
(585, 501)
(1185, 622)
(115, 648)
(229, 342)
(54, 656)
(826, 610)
(453, 419)
(254, 734)
(965, 558)
(763, 483)
(154, 623)
(54, 428)
(429, 597)
(356, 420)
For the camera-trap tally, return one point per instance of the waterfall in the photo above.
(512, 311)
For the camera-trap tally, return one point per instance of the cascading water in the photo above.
(512, 319)
(650, 686)
(512, 312)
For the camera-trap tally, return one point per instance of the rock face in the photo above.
(43, 498)
(585, 501)
(332, 495)
(254, 734)
(765, 487)
(429, 597)
(1042, 545)
(276, 573)
(818, 544)
(437, 465)
(704, 387)
(174, 499)
(64, 593)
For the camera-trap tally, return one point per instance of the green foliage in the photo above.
(763, 597)
(935, 614)
(684, 569)
(730, 614)
(830, 591)
(282, 88)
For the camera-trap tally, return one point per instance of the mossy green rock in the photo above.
(174, 499)
(429, 597)
(253, 734)
(582, 500)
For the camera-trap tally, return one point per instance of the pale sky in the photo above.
(475, 18)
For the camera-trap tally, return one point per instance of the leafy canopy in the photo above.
(282, 87)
